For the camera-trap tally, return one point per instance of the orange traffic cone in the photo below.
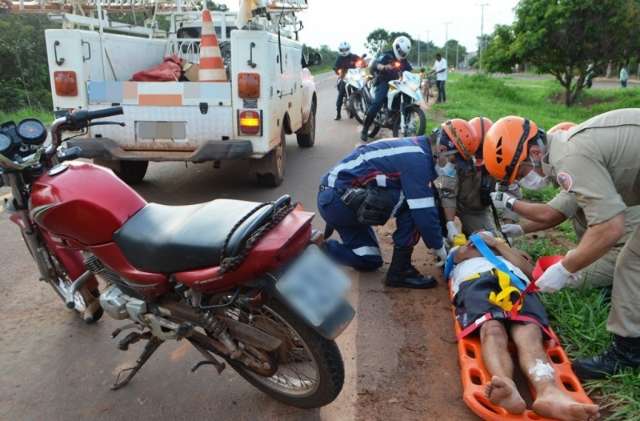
(211, 62)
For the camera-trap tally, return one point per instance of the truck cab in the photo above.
(268, 95)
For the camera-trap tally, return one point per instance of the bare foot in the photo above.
(504, 393)
(554, 403)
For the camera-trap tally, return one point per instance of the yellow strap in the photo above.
(503, 298)
(472, 277)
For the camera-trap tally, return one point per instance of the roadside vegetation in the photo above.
(578, 316)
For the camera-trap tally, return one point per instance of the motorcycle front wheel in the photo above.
(359, 106)
(415, 122)
(310, 369)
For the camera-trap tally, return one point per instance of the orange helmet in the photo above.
(562, 127)
(481, 125)
(461, 135)
(505, 146)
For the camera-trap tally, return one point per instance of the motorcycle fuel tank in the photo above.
(83, 202)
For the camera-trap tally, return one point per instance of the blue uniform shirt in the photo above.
(388, 75)
(402, 165)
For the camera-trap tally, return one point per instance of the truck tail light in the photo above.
(250, 122)
(249, 85)
(65, 83)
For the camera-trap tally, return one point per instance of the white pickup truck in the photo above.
(269, 95)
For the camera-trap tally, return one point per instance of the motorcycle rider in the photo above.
(386, 67)
(463, 186)
(597, 162)
(345, 61)
(377, 181)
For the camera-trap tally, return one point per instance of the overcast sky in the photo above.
(332, 21)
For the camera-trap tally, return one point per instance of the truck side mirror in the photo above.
(315, 59)
(312, 60)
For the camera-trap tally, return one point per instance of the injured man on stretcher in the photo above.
(484, 297)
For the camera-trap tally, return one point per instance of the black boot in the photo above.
(402, 274)
(364, 135)
(623, 353)
(338, 116)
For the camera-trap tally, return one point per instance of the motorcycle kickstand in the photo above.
(152, 345)
(209, 360)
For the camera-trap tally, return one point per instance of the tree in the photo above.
(24, 79)
(499, 56)
(562, 37)
(377, 41)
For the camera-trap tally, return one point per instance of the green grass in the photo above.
(45, 116)
(473, 95)
(578, 316)
(322, 68)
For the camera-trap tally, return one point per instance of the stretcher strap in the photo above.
(486, 252)
(508, 316)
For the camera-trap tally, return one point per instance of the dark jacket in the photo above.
(346, 62)
(386, 76)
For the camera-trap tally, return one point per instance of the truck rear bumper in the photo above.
(108, 149)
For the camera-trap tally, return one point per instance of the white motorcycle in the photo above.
(402, 113)
(355, 83)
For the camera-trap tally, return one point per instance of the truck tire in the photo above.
(131, 172)
(272, 165)
(307, 134)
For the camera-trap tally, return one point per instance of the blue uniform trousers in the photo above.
(379, 99)
(359, 248)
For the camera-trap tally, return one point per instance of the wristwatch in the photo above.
(510, 203)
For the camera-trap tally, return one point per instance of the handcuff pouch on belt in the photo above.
(372, 205)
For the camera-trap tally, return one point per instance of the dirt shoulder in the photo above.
(422, 381)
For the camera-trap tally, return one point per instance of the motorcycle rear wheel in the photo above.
(301, 391)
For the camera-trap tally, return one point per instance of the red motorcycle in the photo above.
(242, 282)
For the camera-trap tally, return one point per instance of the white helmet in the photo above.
(401, 47)
(344, 48)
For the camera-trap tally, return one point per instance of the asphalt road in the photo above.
(54, 367)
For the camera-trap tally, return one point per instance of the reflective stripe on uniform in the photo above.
(396, 208)
(425, 202)
(381, 180)
(349, 165)
(367, 251)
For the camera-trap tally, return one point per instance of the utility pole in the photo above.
(427, 49)
(481, 45)
(446, 41)
(419, 53)
(457, 52)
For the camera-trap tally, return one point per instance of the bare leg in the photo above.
(502, 391)
(551, 401)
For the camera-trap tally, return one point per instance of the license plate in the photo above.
(314, 286)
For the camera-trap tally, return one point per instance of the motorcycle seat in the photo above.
(170, 239)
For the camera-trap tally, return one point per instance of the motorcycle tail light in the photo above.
(249, 85)
(65, 83)
(250, 122)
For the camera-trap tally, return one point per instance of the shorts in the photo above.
(472, 302)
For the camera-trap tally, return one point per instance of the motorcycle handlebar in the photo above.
(77, 120)
(84, 116)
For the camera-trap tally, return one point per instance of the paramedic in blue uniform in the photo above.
(377, 181)
(345, 61)
(386, 67)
